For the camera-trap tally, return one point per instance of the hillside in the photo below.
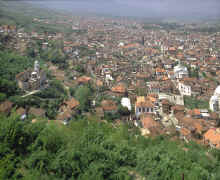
(87, 149)
(39, 143)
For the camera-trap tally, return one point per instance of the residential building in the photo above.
(180, 72)
(144, 105)
(184, 89)
(212, 138)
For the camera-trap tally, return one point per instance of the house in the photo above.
(153, 87)
(108, 79)
(170, 75)
(180, 72)
(84, 80)
(109, 106)
(168, 64)
(196, 126)
(6, 107)
(149, 125)
(68, 49)
(143, 105)
(212, 138)
(166, 106)
(160, 72)
(177, 109)
(99, 83)
(173, 98)
(205, 113)
(64, 116)
(38, 112)
(67, 109)
(70, 104)
(195, 113)
(120, 88)
(184, 89)
(185, 134)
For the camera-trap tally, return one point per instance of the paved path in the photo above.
(30, 93)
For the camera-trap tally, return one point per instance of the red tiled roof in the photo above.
(108, 105)
(196, 111)
(160, 70)
(185, 132)
(143, 102)
(120, 88)
(72, 103)
(213, 136)
(83, 79)
(149, 122)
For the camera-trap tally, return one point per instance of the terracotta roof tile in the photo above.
(213, 136)
(185, 132)
(149, 122)
(108, 105)
(83, 79)
(143, 102)
(72, 103)
(120, 88)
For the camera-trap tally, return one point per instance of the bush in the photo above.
(88, 149)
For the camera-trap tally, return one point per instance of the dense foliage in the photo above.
(83, 95)
(11, 64)
(90, 150)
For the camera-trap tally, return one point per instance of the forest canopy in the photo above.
(92, 150)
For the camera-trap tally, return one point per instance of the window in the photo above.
(139, 109)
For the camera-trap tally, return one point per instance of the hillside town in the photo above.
(161, 81)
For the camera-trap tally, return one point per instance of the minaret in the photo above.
(36, 72)
(36, 66)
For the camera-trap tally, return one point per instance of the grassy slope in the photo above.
(22, 14)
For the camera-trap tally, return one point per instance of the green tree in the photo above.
(83, 95)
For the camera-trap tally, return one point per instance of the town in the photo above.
(166, 81)
(159, 77)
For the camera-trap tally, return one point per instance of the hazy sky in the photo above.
(145, 8)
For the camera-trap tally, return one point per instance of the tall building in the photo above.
(214, 103)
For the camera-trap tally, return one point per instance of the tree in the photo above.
(2, 96)
(123, 111)
(83, 95)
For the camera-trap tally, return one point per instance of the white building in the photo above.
(125, 102)
(184, 89)
(180, 72)
(215, 100)
(175, 99)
